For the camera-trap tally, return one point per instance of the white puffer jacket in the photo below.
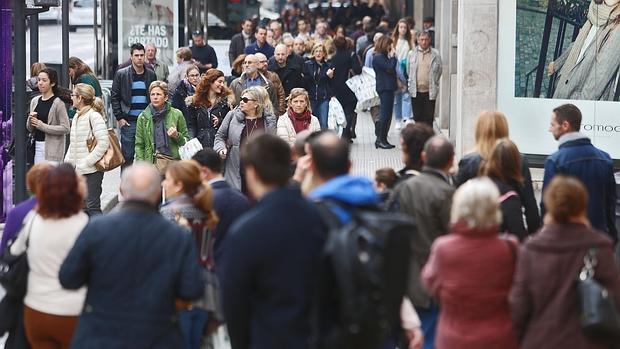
(78, 153)
(286, 131)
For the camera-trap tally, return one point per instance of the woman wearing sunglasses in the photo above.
(253, 116)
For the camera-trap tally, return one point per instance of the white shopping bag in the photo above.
(220, 338)
(190, 149)
(335, 119)
(364, 87)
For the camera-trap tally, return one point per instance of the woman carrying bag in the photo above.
(88, 123)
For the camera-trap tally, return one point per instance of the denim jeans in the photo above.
(429, 318)
(320, 109)
(402, 105)
(192, 324)
(128, 142)
(93, 200)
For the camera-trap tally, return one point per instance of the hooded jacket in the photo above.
(349, 191)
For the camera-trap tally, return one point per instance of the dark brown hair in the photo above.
(569, 113)
(201, 96)
(383, 45)
(58, 193)
(80, 67)
(408, 37)
(565, 197)
(504, 163)
(386, 176)
(414, 137)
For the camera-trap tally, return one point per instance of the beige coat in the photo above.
(286, 131)
(78, 153)
(55, 130)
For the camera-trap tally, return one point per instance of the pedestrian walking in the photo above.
(279, 106)
(403, 43)
(80, 72)
(252, 77)
(288, 66)
(151, 62)
(160, 130)
(129, 97)
(203, 54)
(544, 298)
(271, 259)
(489, 128)
(48, 119)
(345, 63)
(576, 156)
(88, 125)
(297, 118)
(209, 106)
(384, 64)
(189, 203)
(253, 116)
(51, 312)
(472, 292)
(424, 70)
(317, 76)
(134, 263)
(179, 72)
(185, 88)
(260, 45)
(240, 41)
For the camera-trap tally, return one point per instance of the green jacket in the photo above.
(145, 141)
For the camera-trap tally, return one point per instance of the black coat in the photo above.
(512, 209)
(270, 261)
(291, 74)
(316, 80)
(385, 71)
(237, 47)
(120, 95)
(345, 63)
(183, 90)
(229, 205)
(200, 121)
(135, 263)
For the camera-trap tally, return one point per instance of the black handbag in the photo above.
(599, 317)
(14, 270)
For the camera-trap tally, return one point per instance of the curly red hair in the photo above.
(59, 193)
(201, 97)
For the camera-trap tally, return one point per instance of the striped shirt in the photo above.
(139, 99)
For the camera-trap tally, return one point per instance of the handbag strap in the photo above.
(589, 263)
(27, 232)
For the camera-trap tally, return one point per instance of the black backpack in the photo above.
(363, 278)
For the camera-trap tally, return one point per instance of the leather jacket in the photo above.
(120, 95)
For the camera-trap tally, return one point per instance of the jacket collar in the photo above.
(556, 237)
(462, 228)
(437, 173)
(572, 137)
(139, 206)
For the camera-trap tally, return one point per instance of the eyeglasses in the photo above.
(246, 99)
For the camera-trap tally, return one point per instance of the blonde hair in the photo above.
(296, 92)
(87, 93)
(36, 68)
(490, 126)
(477, 203)
(261, 96)
(321, 47)
(159, 84)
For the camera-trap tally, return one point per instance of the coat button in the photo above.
(566, 82)
(88, 308)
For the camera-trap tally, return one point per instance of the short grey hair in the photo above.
(477, 203)
(141, 182)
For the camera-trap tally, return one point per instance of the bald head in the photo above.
(438, 153)
(330, 155)
(141, 182)
(262, 61)
(280, 54)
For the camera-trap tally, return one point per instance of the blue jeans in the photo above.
(429, 317)
(402, 105)
(128, 142)
(320, 109)
(192, 324)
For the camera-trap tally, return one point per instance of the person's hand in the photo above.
(34, 122)
(122, 123)
(416, 338)
(302, 168)
(392, 52)
(172, 132)
(222, 154)
(330, 73)
(215, 121)
(551, 68)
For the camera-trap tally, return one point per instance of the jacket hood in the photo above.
(351, 190)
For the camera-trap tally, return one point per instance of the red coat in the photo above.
(470, 273)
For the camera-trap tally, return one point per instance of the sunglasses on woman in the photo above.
(246, 99)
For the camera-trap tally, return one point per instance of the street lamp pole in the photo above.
(19, 78)
(64, 74)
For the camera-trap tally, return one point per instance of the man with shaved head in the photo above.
(288, 66)
(279, 105)
(252, 77)
(135, 264)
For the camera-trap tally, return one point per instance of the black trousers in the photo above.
(423, 108)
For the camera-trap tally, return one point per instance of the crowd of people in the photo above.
(236, 236)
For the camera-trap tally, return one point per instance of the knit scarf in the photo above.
(300, 121)
(160, 134)
(600, 16)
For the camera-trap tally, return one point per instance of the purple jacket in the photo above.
(15, 220)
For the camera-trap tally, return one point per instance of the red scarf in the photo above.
(300, 121)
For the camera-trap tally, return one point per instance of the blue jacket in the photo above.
(266, 49)
(270, 261)
(350, 191)
(594, 167)
(229, 205)
(316, 80)
(385, 72)
(135, 264)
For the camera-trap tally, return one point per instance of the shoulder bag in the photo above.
(14, 268)
(599, 317)
(113, 156)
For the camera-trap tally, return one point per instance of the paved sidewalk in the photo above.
(366, 159)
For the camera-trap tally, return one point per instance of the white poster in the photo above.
(149, 22)
(535, 33)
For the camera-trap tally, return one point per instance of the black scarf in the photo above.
(160, 134)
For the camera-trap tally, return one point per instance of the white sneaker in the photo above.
(398, 126)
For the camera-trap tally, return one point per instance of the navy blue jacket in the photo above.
(316, 80)
(385, 72)
(135, 264)
(266, 49)
(594, 167)
(229, 205)
(269, 269)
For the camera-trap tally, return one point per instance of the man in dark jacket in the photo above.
(288, 67)
(260, 45)
(240, 41)
(229, 203)
(129, 97)
(203, 54)
(427, 197)
(135, 263)
(577, 157)
(271, 255)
